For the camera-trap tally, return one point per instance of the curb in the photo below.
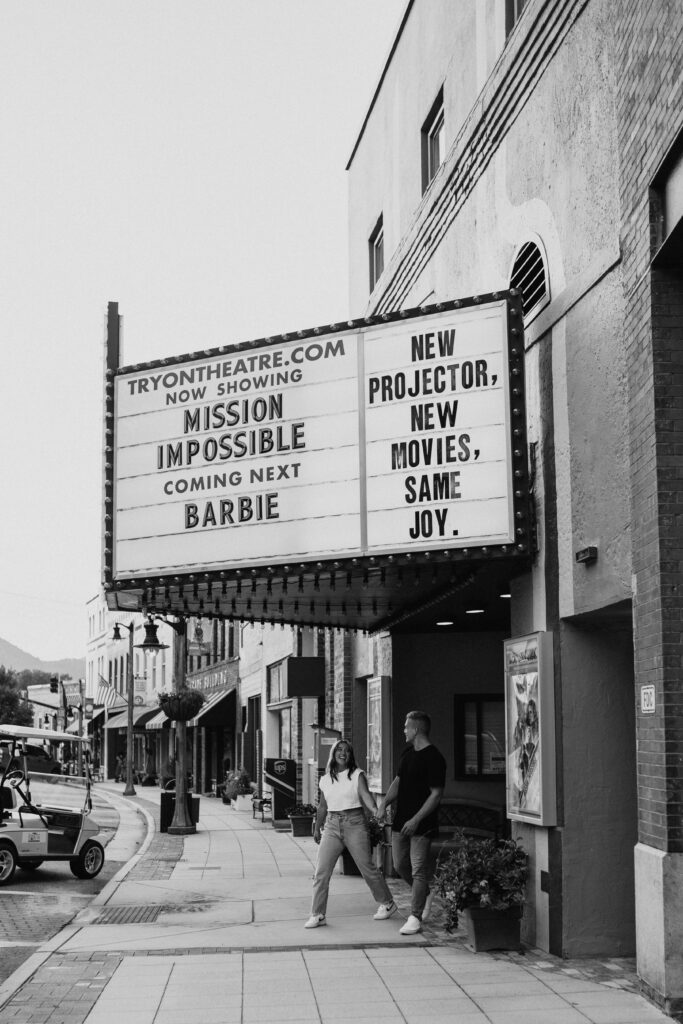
(24, 972)
(112, 885)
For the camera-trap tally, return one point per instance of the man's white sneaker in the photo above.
(427, 907)
(315, 920)
(412, 926)
(384, 911)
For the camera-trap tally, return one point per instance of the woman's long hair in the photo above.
(350, 763)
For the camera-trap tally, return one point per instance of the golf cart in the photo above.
(43, 830)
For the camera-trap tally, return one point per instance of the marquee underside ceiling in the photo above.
(400, 594)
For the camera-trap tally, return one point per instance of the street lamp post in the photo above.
(182, 824)
(130, 692)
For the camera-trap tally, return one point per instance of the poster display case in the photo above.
(530, 729)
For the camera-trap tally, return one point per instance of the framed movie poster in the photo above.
(530, 729)
(379, 733)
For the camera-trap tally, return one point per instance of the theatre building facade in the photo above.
(466, 499)
(539, 146)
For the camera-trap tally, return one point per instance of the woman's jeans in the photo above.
(346, 829)
(411, 860)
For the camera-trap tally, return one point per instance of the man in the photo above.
(417, 791)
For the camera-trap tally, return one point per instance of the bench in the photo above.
(473, 817)
(261, 802)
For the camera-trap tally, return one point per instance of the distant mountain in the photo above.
(14, 657)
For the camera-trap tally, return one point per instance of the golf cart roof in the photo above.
(27, 732)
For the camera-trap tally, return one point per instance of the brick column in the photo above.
(649, 108)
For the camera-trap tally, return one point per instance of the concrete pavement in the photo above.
(209, 927)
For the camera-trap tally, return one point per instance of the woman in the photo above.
(343, 792)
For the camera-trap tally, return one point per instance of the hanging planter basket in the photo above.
(182, 705)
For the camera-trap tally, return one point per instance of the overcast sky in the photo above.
(186, 159)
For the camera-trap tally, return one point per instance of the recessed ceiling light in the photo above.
(444, 623)
(503, 595)
(474, 611)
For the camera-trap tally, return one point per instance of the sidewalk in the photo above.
(209, 928)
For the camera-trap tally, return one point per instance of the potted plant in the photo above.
(376, 833)
(182, 704)
(237, 789)
(301, 818)
(485, 881)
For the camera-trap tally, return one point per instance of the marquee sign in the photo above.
(395, 435)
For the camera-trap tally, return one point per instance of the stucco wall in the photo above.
(544, 170)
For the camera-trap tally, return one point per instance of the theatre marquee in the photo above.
(394, 437)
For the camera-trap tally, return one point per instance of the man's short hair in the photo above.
(422, 721)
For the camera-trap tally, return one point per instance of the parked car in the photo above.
(37, 759)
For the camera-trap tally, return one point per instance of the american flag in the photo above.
(107, 695)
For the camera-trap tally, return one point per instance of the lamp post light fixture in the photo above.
(150, 643)
(181, 824)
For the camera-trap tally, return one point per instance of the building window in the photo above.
(529, 278)
(513, 12)
(275, 683)
(376, 252)
(666, 209)
(433, 142)
(479, 736)
(286, 732)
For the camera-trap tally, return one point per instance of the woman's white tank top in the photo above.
(341, 794)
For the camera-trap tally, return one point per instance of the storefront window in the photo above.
(479, 735)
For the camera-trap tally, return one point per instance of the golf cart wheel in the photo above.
(8, 862)
(89, 861)
(30, 865)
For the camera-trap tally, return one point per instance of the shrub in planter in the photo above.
(488, 873)
(301, 818)
(237, 783)
(181, 705)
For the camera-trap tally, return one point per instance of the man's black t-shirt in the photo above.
(418, 772)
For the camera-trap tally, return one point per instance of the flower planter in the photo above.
(349, 866)
(182, 706)
(492, 929)
(302, 824)
(241, 802)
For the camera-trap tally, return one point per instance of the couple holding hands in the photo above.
(340, 822)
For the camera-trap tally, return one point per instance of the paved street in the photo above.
(36, 905)
(210, 928)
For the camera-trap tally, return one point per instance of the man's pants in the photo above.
(411, 860)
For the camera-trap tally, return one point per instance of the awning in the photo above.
(90, 722)
(217, 708)
(140, 716)
(160, 721)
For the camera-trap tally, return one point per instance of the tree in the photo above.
(32, 677)
(13, 710)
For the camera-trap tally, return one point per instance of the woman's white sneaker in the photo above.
(412, 926)
(384, 911)
(315, 920)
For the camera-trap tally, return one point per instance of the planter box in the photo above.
(349, 866)
(167, 809)
(242, 802)
(302, 825)
(492, 929)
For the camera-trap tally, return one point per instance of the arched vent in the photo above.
(528, 276)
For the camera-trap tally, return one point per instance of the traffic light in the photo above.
(54, 684)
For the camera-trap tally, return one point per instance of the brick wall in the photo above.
(650, 115)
